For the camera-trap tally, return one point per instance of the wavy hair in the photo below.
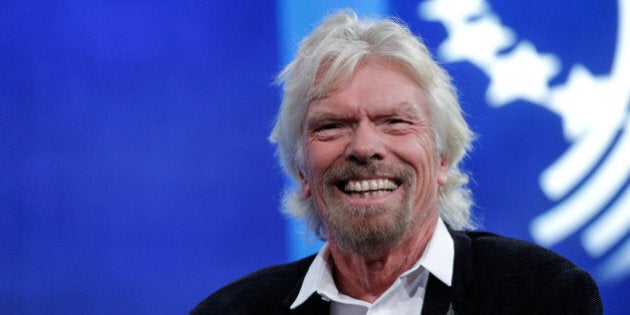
(328, 56)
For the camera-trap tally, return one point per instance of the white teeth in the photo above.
(373, 187)
(375, 193)
(373, 184)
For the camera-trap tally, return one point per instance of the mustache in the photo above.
(373, 169)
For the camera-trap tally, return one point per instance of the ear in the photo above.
(304, 185)
(442, 171)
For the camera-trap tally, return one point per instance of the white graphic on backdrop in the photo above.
(591, 177)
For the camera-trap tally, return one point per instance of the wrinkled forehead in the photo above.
(377, 88)
(332, 75)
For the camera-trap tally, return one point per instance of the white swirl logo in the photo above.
(589, 182)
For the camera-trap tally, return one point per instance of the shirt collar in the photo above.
(438, 258)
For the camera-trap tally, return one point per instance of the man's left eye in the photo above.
(396, 121)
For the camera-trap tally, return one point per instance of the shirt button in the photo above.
(325, 298)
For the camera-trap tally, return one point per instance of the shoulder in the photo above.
(491, 252)
(485, 245)
(514, 271)
(264, 290)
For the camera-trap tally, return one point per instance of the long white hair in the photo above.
(328, 56)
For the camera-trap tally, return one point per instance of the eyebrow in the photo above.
(404, 109)
(325, 116)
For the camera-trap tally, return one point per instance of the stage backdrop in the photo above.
(136, 176)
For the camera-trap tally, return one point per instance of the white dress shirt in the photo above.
(406, 294)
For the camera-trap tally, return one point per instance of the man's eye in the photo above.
(327, 127)
(397, 121)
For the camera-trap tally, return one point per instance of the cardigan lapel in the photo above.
(437, 298)
(314, 305)
(440, 298)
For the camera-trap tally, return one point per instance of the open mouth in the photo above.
(368, 187)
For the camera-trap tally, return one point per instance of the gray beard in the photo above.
(367, 229)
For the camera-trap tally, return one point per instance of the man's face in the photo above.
(370, 161)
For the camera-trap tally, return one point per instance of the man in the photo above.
(371, 129)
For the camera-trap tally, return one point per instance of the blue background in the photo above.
(135, 172)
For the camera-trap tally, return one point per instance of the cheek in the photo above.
(321, 155)
(420, 155)
(318, 158)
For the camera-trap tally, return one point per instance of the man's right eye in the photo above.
(328, 131)
(327, 127)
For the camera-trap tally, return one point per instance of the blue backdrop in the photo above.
(135, 174)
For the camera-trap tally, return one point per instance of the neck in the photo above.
(367, 276)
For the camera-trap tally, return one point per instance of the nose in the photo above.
(366, 144)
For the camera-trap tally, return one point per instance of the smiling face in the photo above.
(370, 161)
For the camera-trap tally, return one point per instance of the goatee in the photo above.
(367, 229)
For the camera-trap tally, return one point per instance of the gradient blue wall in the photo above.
(135, 174)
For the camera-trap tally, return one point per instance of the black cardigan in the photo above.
(492, 275)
